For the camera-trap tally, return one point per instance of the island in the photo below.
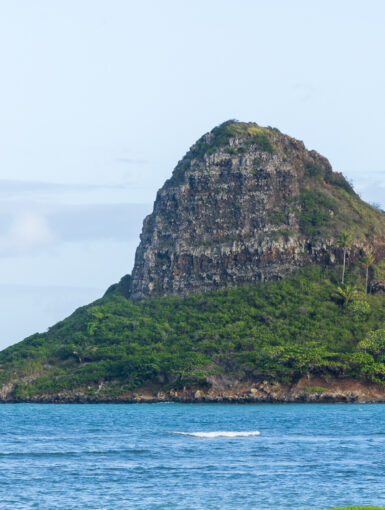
(259, 277)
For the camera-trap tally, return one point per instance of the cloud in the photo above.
(130, 161)
(120, 222)
(33, 228)
(11, 186)
(28, 231)
(374, 193)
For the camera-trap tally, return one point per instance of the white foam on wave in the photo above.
(221, 433)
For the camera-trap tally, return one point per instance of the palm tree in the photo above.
(347, 293)
(344, 241)
(367, 261)
(82, 352)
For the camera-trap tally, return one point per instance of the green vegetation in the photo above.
(367, 261)
(337, 179)
(312, 170)
(328, 206)
(315, 210)
(317, 322)
(379, 269)
(374, 344)
(360, 508)
(347, 293)
(327, 203)
(344, 240)
(220, 137)
(279, 217)
(316, 389)
(272, 331)
(286, 232)
(325, 210)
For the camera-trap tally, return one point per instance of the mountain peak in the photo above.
(248, 203)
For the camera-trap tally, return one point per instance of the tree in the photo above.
(374, 343)
(84, 352)
(367, 261)
(347, 293)
(359, 308)
(344, 241)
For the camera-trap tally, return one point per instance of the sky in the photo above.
(100, 99)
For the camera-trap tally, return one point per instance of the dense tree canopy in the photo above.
(275, 331)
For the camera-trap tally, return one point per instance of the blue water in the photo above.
(130, 456)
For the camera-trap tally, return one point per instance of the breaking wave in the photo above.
(221, 433)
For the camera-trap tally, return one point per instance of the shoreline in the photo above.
(307, 390)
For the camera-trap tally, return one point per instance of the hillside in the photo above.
(236, 291)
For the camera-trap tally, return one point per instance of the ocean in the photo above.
(191, 456)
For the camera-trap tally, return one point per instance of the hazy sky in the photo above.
(100, 99)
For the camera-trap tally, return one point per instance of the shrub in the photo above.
(316, 389)
(315, 207)
(337, 179)
(277, 330)
(278, 217)
(312, 170)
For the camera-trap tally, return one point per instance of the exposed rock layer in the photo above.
(242, 207)
(307, 389)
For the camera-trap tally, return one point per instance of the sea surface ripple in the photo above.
(198, 457)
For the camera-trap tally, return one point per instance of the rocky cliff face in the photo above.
(247, 204)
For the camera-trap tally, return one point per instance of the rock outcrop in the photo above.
(308, 389)
(248, 204)
(377, 286)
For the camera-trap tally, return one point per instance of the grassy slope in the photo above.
(276, 330)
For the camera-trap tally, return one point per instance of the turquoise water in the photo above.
(133, 456)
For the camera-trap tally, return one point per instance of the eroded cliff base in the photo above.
(306, 390)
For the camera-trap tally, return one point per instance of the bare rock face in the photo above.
(377, 286)
(247, 204)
